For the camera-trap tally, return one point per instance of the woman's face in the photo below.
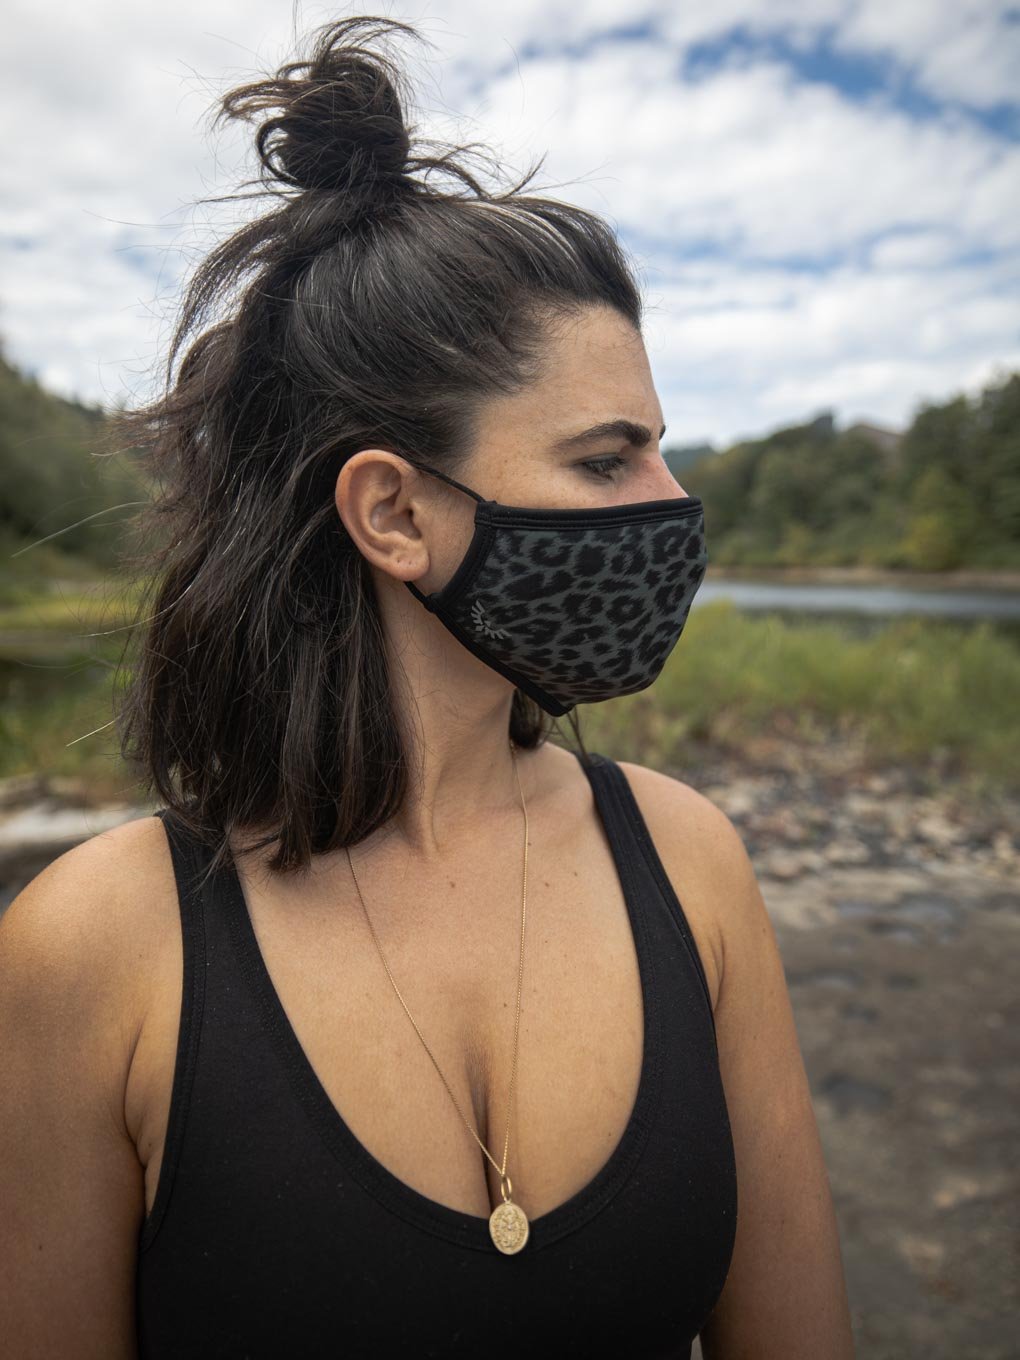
(534, 448)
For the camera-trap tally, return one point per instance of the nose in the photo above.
(671, 485)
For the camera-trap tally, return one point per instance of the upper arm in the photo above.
(785, 1294)
(71, 1185)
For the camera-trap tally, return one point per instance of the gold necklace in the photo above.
(508, 1223)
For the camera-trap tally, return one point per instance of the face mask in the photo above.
(574, 606)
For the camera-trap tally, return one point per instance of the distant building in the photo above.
(887, 440)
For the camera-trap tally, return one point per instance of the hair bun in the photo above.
(340, 126)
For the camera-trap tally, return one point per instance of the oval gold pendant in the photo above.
(508, 1227)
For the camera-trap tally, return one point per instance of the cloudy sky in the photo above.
(822, 197)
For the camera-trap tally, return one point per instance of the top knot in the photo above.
(340, 127)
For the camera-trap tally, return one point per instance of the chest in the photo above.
(452, 942)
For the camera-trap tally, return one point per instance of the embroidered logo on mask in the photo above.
(482, 624)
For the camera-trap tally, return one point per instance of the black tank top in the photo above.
(275, 1233)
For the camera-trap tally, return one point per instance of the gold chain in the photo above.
(504, 1179)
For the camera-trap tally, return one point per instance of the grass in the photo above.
(58, 652)
(55, 720)
(67, 608)
(908, 688)
(937, 693)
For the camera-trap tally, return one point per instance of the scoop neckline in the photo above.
(430, 1215)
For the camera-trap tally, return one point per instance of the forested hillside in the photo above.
(945, 494)
(56, 473)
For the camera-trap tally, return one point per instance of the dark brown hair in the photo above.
(368, 308)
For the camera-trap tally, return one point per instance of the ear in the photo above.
(392, 513)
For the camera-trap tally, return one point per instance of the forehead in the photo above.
(597, 345)
(595, 368)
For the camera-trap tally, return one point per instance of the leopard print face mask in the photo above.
(574, 606)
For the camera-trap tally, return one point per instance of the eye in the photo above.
(604, 468)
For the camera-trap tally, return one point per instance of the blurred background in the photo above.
(822, 199)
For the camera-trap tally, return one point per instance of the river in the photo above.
(842, 597)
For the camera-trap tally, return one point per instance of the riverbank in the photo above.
(965, 578)
(936, 694)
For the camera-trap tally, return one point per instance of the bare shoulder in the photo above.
(101, 893)
(76, 952)
(92, 920)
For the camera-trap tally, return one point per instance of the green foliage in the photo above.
(947, 496)
(907, 688)
(57, 716)
(936, 538)
(917, 689)
(57, 474)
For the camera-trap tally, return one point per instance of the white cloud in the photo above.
(955, 49)
(726, 187)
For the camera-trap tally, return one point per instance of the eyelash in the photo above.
(607, 465)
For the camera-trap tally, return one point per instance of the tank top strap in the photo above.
(626, 826)
(190, 864)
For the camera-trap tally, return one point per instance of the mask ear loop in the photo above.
(434, 472)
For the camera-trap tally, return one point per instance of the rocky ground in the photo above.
(896, 900)
(898, 916)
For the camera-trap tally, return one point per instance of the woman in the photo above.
(288, 1071)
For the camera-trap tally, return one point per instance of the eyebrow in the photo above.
(634, 434)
